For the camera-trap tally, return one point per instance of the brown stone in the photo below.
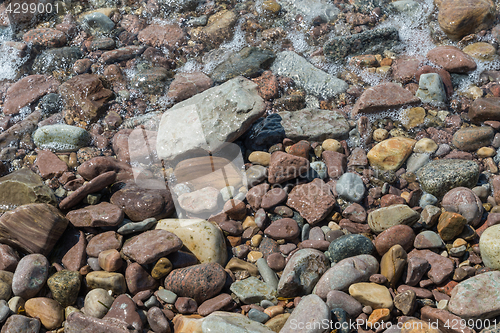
(219, 28)
(398, 234)
(101, 164)
(26, 91)
(336, 163)
(273, 198)
(124, 309)
(405, 67)
(76, 257)
(286, 228)
(444, 318)
(483, 109)
(255, 194)
(393, 263)
(46, 37)
(49, 311)
(104, 241)
(458, 18)
(138, 279)
(151, 245)
(314, 201)
(451, 59)
(186, 85)
(33, 228)
(110, 260)
(285, 166)
(473, 138)
(214, 304)
(441, 267)
(169, 36)
(383, 97)
(103, 214)
(85, 98)
(49, 165)
(450, 225)
(95, 185)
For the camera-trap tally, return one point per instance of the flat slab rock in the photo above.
(314, 124)
(219, 114)
(477, 297)
(383, 97)
(314, 201)
(151, 245)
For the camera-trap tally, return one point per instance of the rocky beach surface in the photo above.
(201, 166)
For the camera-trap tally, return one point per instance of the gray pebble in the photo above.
(152, 301)
(258, 316)
(132, 227)
(267, 273)
(167, 296)
(4, 311)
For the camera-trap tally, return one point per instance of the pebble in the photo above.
(338, 299)
(61, 138)
(428, 239)
(65, 286)
(348, 246)
(268, 275)
(310, 309)
(107, 280)
(399, 234)
(134, 227)
(20, 323)
(350, 186)
(49, 311)
(30, 276)
(465, 202)
(151, 245)
(371, 294)
(489, 247)
(383, 218)
(252, 290)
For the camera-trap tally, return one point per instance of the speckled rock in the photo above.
(204, 239)
(473, 138)
(345, 273)
(314, 201)
(252, 290)
(302, 272)
(477, 297)
(61, 138)
(490, 247)
(439, 176)
(285, 166)
(151, 245)
(200, 282)
(311, 309)
(30, 276)
(314, 125)
(65, 286)
(349, 246)
(383, 218)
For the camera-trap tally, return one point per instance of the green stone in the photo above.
(65, 286)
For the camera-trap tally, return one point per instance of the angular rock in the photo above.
(124, 309)
(465, 202)
(103, 214)
(169, 36)
(20, 323)
(23, 187)
(483, 109)
(313, 80)
(220, 28)
(264, 133)
(27, 91)
(383, 97)
(252, 290)
(204, 114)
(302, 272)
(95, 185)
(313, 201)
(85, 98)
(151, 245)
(49, 165)
(336, 163)
(186, 85)
(314, 124)
(33, 228)
(65, 286)
(285, 166)
(441, 267)
(390, 154)
(450, 225)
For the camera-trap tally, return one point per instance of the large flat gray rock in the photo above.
(314, 125)
(208, 119)
(313, 80)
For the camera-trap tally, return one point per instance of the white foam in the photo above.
(10, 62)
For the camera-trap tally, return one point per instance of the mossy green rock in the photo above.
(23, 187)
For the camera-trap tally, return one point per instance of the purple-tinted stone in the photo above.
(151, 245)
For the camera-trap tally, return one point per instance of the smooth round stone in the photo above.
(339, 299)
(302, 272)
(231, 322)
(258, 316)
(286, 228)
(265, 303)
(161, 269)
(489, 246)
(346, 272)
(166, 296)
(107, 280)
(350, 186)
(276, 261)
(49, 311)
(427, 199)
(65, 286)
(260, 157)
(133, 227)
(465, 202)
(97, 303)
(392, 264)
(4, 310)
(61, 138)
(332, 145)
(19, 323)
(428, 240)
(204, 239)
(425, 145)
(416, 161)
(311, 309)
(349, 246)
(217, 303)
(151, 302)
(398, 234)
(30, 276)
(372, 294)
(320, 169)
(480, 50)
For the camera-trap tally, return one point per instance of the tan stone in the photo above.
(253, 256)
(332, 145)
(378, 315)
(236, 264)
(450, 225)
(49, 311)
(190, 324)
(393, 263)
(371, 294)
(380, 134)
(275, 324)
(484, 152)
(425, 145)
(481, 50)
(412, 117)
(259, 157)
(390, 154)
